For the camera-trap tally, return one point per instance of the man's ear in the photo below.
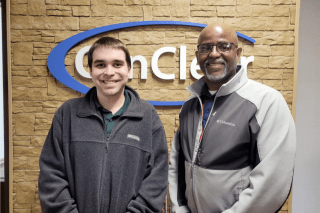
(239, 51)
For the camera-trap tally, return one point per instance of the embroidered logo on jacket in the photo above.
(134, 137)
(224, 122)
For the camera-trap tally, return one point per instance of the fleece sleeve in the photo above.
(270, 181)
(154, 186)
(177, 185)
(53, 190)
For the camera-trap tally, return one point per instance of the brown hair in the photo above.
(108, 42)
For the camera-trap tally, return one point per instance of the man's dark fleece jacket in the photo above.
(81, 170)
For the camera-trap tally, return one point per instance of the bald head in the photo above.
(219, 29)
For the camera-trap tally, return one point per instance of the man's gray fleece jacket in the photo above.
(81, 170)
(245, 159)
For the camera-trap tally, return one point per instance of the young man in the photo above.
(107, 151)
(234, 150)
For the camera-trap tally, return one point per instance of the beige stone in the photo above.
(257, 23)
(222, 2)
(81, 11)
(262, 10)
(196, 13)
(168, 123)
(293, 14)
(19, 94)
(115, 2)
(26, 192)
(281, 62)
(259, 62)
(56, 23)
(43, 121)
(25, 163)
(12, 2)
(278, 37)
(47, 39)
(282, 50)
(175, 84)
(198, 2)
(203, 8)
(36, 8)
(243, 10)
(256, 50)
(134, 2)
(36, 94)
(75, 2)
(180, 10)
(156, 2)
(154, 95)
(40, 62)
(41, 51)
(99, 10)
(288, 95)
(15, 35)
(145, 84)
(27, 151)
(21, 143)
(87, 23)
(161, 11)
(51, 84)
(243, 2)
(277, 23)
(45, 115)
(124, 11)
(268, 74)
(29, 81)
(37, 141)
(276, 84)
(178, 95)
(18, 9)
(22, 53)
(38, 71)
(147, 13)
(63, 94)
(52, 2)
(40, 57)
(24, 124)
(281, 1)
(142, 37)
(59, 13)
(260, 2)
(226, 11)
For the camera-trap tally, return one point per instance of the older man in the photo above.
(234, 150)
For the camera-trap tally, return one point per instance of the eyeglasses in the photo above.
(222, 47)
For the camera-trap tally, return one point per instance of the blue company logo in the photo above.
(58, 54)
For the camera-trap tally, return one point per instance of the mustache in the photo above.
(212, 61)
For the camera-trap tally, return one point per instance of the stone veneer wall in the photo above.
(37, 26)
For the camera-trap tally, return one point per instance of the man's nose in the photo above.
(215, 53)
(108, 70)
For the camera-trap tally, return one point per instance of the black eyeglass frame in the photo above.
(212, 45)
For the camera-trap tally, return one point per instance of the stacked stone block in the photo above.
(37, 26)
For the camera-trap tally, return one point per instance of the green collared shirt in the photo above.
(109, 118)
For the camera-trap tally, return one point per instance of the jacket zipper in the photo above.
(192, 165)
(103, 168)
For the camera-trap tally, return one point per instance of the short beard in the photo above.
(224, 76)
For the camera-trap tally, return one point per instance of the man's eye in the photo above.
(224, 46)
(117, 64)
(100, 65)
(204, 48)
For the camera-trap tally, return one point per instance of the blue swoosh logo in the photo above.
(58, 54)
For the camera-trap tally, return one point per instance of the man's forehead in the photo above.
(218, 30)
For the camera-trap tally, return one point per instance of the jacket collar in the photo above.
(234, 84)
(88, 108)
